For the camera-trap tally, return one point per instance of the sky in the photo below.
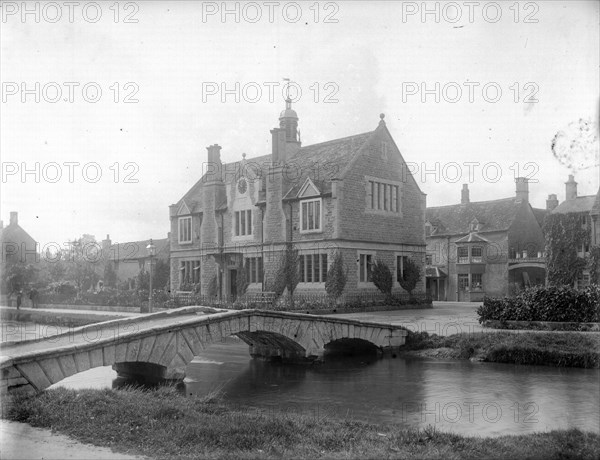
(130, 94)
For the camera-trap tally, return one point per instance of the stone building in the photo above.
(587, 208)
(484, 248)
(128, 259)
(18, 247)
(353, 196)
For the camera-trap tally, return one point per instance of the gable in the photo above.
(183, 209)
(309, 189)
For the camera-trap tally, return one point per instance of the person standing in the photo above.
(19, 296)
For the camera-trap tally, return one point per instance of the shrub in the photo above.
(287, 275)
(538, 303)
(336, 277)
(411, 275)
(382, 277)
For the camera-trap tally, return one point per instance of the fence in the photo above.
(300, 301)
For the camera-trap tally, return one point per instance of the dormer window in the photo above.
(185, 230)
(474, 225)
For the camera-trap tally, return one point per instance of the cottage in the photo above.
(484, 248)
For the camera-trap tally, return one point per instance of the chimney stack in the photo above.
(522, 193)
(570, 188)
(214, 167)
(14, 218)
(279, 145)
(551, 202)
(464, 194)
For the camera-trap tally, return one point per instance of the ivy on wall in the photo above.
(594, 264)
(564, 236)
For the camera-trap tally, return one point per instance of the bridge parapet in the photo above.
(162, 344)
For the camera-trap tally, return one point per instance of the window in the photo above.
(189, 272)
(254, 269)
(400, 261)
(382, 196)
(310, 215)
(313, 268)
(364, 269)
(476, 254)
(243, 222)
(185, 229)
(428, 259)
(463, 282)
(463, 255)
(476, 281)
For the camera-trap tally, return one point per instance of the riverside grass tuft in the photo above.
(163, 423)
(559, 349)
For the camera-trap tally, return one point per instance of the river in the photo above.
(485, 399)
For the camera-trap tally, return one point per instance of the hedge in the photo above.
(538, 303)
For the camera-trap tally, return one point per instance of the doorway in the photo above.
(233, 284)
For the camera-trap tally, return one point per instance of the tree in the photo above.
(288, 275)
(382, 277)
(242, 280)
(161, 274)
(110, 275)
(17, 276)
(84, 261)
(564, 236)
(411, 275)
(336, 277)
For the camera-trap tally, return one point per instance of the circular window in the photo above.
(242, 186)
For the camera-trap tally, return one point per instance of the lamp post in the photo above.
(151, 251)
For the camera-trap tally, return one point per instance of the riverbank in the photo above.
(559, 349)
(164, 423)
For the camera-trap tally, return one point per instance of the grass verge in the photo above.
(548, 349)
(163, 423)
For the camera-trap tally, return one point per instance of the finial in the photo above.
(243, 156)
(382, 116)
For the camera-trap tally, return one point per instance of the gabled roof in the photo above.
(540, 215)
(325, 161)
(494, 215)
(472, 237)
(596, 208)
(14, 233)
(579, 204)
(136, 250)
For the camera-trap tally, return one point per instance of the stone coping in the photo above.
(217, 316)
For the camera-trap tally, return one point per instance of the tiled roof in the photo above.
(540, 215)
(136, 250)
(596, 208)
(324, 161)
(472, 237)
(494, 215)
(579, 204)
(321, 162)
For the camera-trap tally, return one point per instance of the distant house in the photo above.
(352, 196)
(587, 208)
(128, 259)
(484, 248)
(17, 247)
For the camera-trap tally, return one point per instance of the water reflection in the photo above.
(471, 398)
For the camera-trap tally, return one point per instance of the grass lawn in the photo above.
(562, 349)
(163, 423)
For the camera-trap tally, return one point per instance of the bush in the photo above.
(336, 277)
(538, 303)
(382, 277)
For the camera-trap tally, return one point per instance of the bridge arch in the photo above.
(167, 349)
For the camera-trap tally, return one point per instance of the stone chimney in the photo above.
(464, 194)
(106, 244)
(278, 142)
(14, 218)
(214, 167)
(522, 193)
(551, 202)
(570, 188)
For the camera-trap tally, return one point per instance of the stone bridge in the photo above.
(160, 345)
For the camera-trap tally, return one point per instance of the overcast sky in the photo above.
(351, 60)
